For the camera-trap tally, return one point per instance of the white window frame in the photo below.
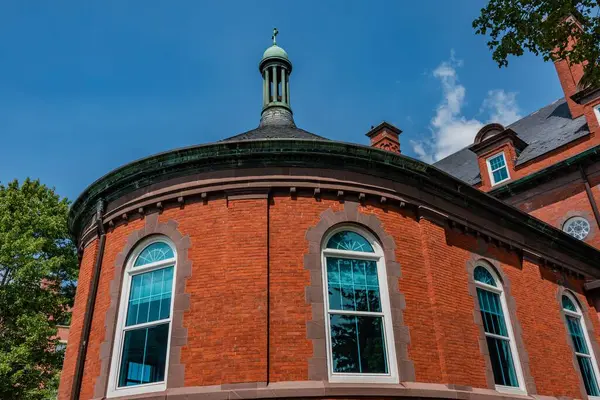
(130, 271)
(579, 315)
(491, 173)
(597, 112)
(499, 289)
(377, 256)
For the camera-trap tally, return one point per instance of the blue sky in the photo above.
(88, 86)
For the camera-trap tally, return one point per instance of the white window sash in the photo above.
(491, 171)
(489, 288)
(151, 267)
(113, 389)
(357, 313)
(582, 325)
(520, 389)
(147, 324)
(385, 314)
(573, 314)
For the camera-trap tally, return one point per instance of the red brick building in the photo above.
(278, 263)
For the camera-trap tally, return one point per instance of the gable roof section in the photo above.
(544, 130)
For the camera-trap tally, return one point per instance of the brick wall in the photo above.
(86, 267)
(577, 204)
(227, 320)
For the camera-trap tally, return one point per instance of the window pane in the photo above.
(348, 240)
(491, 312)
(497, 162)
(483, 275)
(353, 285)
(144, 355)
(502, 362)
(589, 378)
(155, 252)
(500, 175)
(567, 304)
(150, 297)
(576, 333)
(358, 344)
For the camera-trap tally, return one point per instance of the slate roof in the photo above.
(544, 130)
(275, 132)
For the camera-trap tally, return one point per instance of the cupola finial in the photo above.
(274, 37)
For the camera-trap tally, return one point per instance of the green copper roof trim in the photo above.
(315, 154)
(234, 154)
(514, 187)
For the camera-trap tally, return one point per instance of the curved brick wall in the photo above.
(245, 314)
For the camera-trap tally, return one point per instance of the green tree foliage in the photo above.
(38, 266)
(543, 28)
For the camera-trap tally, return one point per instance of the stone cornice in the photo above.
(401, 180)
(324, 389)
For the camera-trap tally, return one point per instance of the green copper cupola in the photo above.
(275, 68)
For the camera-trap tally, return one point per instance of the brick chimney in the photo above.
(385, 136)
(569, 76)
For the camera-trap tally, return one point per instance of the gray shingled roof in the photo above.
(543, 131)
(275, 132)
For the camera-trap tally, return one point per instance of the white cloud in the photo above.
(502, 106)
(450, 129)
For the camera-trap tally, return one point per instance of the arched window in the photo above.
(359, 326)
(499, 335)
(581, 344)
(141, 346)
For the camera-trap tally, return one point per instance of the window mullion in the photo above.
(351, 254)
(572, 313)
(152, 266)
(359, 313)
(147, 324)
(487, 287)
(495, 336)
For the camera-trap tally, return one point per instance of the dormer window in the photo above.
(495, 146)
(498, 169)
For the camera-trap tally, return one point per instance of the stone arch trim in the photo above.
(588, 326)
(511, 304)
(315, 328)
(181, 301)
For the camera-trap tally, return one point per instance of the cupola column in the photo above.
(266, 87)
(283, 84)
(275, 88)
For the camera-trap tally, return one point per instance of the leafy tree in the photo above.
(543, 27)
(38, 266)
